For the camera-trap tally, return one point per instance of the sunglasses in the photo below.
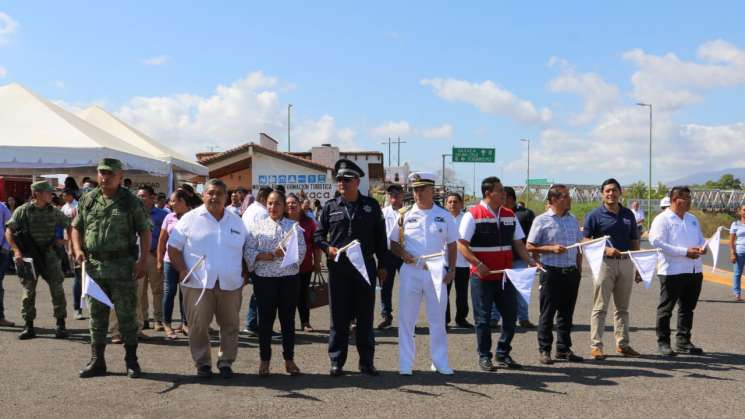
(345, 179)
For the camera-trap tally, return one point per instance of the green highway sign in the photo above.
(473, 155)
(538, 182)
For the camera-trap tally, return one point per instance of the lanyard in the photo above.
(351, 218)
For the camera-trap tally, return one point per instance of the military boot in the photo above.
(97, 365)
(61, 332)
(130, 359)
(28, 331)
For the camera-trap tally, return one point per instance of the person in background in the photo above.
(70, 209)
(247, 200)
(236, 200)
(391, 262)
(194, 199)
(311, 263)
(72, 186)
(152, 278)
(4, 261)
(638, 215)
(128, 183)
(665, 203)
(454, 205)
(317, 209)
(12, 204)
(276, 287)
(308, 210)
(737, 251)
(162, 202)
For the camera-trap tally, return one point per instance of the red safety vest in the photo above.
(492, 240)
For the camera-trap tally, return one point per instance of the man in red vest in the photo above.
(488, 234)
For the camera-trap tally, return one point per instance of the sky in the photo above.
(565, 75)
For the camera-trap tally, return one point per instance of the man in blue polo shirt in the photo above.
(617, 273)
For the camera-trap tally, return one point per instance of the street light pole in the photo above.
(289, 106)
(649, 190)
(527, 179)
(443, 170)
(389, 150)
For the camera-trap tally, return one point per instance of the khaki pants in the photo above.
(114, 322)
(616, 278)
(154, 280)
(224, 306)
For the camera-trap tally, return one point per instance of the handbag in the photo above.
(318, 291)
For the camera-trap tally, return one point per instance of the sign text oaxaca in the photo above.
(473, 155)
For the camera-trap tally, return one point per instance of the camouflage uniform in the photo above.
(42, 224)
(109, 229)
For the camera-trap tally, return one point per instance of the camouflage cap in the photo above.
(112, 165)
(41, 186)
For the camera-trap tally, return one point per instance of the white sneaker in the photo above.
(405, 372)
(443, 371)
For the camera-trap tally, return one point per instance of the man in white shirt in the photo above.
(254, 213)
(454, 205)
(424, 230)
(677, 233)
(236, 200)
(392, 262)
(210, 241)
(638, 215)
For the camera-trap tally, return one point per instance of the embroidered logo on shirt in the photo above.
(235, 232)
(412, 220)
(627, 221)
(367, 208)
(439, 220)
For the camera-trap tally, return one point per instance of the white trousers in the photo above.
(414, 285)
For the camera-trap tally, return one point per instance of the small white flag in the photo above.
(91, 289)
(713, 244)
(594, 255)
(198, 267)
(522, 279)
(292, 251)
(436, 267)
(354, 254)
(646, 264)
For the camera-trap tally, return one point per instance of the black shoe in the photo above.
(28, 332)
(688, 348)
(486, 365)
(369, 370)
(494, 325)
(336, 371)
(568, 356)
(61, 332)
(226, 372)
(508, 362)
(251, 331)
(463, 324)
(130, 361)
(665, 350)
(276, 335)
(205, 371)
(545, 358)
(97, 365)
(526, 324)
(387, 321)
(145, 325)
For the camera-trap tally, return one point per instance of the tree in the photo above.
(727, 181)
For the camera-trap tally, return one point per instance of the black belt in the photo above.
(112, 254)
(570, 269)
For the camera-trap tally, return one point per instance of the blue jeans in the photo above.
(4, 259)
(252, 317)
(483, 295)
(522, 305)
(740, 262)
(170, 287)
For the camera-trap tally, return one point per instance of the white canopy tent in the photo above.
(39, 137)
(108, 122)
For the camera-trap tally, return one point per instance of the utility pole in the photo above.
(443, 169)
(527, 179)
(389, 150)
(398, 153)
(649, 190)
(289, 106)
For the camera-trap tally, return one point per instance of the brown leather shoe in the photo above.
(597, 354)
(116, 340)
(627, 351)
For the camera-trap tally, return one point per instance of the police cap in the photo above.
(347, 168)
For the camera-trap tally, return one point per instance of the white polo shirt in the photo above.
(426, 231)
(674, 236)
(390, 216)
(468, 225)
(222, 243)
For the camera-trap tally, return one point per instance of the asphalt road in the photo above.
(38, 378)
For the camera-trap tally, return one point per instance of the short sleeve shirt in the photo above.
(737, 229)
(468, 226)
(621, 227)
(551, 228)
(426, 231)
(168, 224)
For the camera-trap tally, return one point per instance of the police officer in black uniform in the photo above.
(348, 217)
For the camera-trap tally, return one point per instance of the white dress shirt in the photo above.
(70, 209)
(221, 242)
(426, 231)
(253, 214)
(468, 225)
(674, 236)
(390, 215)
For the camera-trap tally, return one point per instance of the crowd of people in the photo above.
(135, 244)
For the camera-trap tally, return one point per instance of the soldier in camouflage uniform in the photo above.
(104, 235)
(37, 221)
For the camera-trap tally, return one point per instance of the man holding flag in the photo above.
(348, 218)
(552, 232)
(423, 237)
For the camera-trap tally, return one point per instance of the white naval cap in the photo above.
(417, 179)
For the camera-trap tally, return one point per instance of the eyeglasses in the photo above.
(345, 179)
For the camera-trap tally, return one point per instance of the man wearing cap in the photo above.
(31, 233)
(424, 230)
(348, 217)
(104, 236)
(392, 262)
(489, 233)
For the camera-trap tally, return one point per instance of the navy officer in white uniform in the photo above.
(423, 229)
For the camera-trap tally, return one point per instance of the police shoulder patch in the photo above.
(367, 208)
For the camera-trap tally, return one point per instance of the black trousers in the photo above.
(684, 290)
(461, 295)
(351, 297)
(276, 295)
(303, 300)
(558, 296)
(392, 264)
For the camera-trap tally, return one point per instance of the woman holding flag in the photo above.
(275, 249)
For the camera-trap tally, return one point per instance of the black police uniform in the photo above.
(351, 297)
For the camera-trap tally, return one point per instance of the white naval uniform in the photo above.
(425, 232)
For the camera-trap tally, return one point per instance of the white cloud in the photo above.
(157, 60)
(234, 114)
(670, 83)
(7, 27)
(392, 129)
(443, 132)
(489, 98)
(597, 94)
(3, 72)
